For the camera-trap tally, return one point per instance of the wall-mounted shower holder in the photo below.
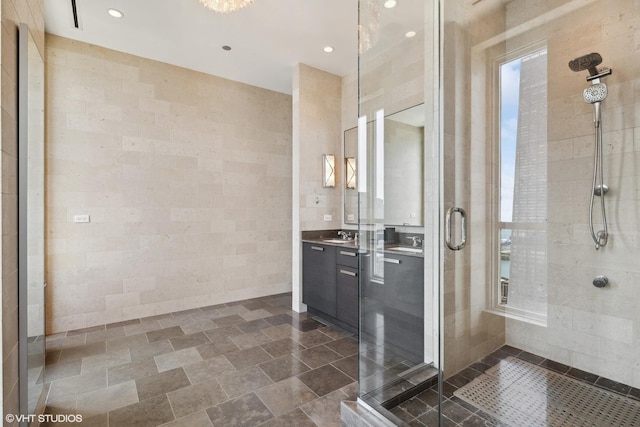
(600, 190)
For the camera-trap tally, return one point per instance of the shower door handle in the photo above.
(447, 225)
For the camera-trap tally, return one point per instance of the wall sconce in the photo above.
(328, 170)
(351, 172)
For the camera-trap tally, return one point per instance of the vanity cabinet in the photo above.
(319, 277)
(404, 304)
(330, 283)
(347, 286)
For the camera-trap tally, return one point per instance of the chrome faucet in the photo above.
(415, 241)
(344, 235)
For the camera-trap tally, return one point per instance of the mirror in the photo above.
(403, 169)
(31, 297)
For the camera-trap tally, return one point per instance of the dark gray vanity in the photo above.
(391, 290)
(330, 282)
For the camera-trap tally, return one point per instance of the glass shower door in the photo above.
(540, 147)
(398, 193)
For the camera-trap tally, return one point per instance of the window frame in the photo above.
(495, 293)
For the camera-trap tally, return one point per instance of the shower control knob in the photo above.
(600, 281)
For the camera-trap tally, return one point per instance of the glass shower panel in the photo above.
(539, 127)
(398, 194)
(31, 254)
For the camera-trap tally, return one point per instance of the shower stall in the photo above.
(527, 273)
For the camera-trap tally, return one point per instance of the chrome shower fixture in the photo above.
(589, 62)
(586, 62)
(594, 95)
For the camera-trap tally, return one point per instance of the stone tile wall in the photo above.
(186, 177)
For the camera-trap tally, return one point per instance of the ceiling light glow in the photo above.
(328, 49)
(390, 4)
(115, 13)
(225, 6)
(410, 34)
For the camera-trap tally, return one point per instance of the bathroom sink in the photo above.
(406, 249)
(337, 241)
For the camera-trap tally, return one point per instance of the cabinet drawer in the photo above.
(348, 257)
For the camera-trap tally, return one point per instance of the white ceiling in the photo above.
(267, 38)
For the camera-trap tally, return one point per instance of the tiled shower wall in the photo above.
(14, 12)
(596, 330)
(186, 177)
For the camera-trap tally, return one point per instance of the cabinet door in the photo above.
(319, 277)
(404, 305)
(404, 278)
(347, 295)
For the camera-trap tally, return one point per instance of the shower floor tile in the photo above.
(513, 388)
(520, 393)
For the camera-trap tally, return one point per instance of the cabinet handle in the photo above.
(348, 273)
(392, 261)
(317, 248)
(347, 253)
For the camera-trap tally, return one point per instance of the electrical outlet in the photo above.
(351, 217)
(328, 217)
(81, 218)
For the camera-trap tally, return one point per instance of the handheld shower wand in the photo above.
(595, 94)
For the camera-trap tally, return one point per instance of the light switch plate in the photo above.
(328, 217)
(81, 218)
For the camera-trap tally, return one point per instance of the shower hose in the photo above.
(600, 238)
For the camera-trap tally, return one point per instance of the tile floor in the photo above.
(249, 363)
(421, 410)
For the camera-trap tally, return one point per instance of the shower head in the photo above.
(597, 92)
(586, 62)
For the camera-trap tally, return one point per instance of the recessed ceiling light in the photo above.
(226, 47)
(390, 4)
(328, 49)
(115, 13)
(410, 34)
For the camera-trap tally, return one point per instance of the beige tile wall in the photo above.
(14, 12)
(317, 97)
(186, 177)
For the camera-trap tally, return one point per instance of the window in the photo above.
(522, 269)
